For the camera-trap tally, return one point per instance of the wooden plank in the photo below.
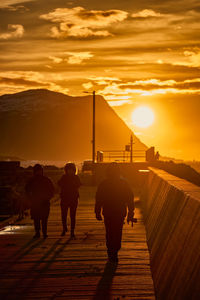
(60, 268)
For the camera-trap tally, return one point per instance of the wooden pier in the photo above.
(60, 268)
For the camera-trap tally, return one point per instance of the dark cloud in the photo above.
(94, 15)
(190, 86)
(21, 82)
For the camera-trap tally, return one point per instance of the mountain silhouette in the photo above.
(45, 125)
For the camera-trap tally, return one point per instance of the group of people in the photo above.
(113, 197)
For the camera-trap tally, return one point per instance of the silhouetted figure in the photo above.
(157, 156)
(69, 184)
(113, 196)
(39, 190)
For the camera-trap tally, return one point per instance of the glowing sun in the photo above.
(143, 116)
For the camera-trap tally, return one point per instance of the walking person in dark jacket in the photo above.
(39, 190)
(113, 197)
(69, 185)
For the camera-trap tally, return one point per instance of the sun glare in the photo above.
(143, 117)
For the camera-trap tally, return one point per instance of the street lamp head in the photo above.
(86, 92)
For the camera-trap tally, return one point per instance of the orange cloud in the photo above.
(73, 58)
(8, 3)
(79, 22)
(103, 80)
(78, 57)
(194, 58)
(20, 80)
(119, 102)
(115, 92)
(151, 81)
(146, 13)
(87, 85)
(55, 59)
(16, 31)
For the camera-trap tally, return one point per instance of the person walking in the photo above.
(39, 190)
(113, 197)
(69, 185)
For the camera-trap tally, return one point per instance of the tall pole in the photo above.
(131, 154)
(93, 130)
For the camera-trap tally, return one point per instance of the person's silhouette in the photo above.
(157, 156)
(39, 190)
(113, 196)
(69, 184)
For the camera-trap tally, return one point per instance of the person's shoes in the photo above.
(45, 236)
(37, 235)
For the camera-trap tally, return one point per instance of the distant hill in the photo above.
(194, 164)
(45, 125)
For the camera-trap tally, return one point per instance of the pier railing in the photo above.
(172, 219)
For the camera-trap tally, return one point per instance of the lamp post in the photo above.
(93, 128)
(93, 125)
(131, 150)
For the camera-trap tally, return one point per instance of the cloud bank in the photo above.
(79, 22)
(16, 31)
(146, 13)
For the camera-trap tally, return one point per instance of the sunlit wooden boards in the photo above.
(59, 268)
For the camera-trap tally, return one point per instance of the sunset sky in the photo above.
(131, 52)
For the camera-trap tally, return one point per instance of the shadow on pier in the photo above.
(60, 268)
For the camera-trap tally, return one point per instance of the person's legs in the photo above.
(37, 226)
(117, 234)
(44, 226)
(113, 236)
(73, 218)
(64, 210)
(108, 236)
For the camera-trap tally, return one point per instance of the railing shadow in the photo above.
(103, 290)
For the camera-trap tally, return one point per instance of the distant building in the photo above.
(150, 154)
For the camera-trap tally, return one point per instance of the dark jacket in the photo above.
(69, 185)
(113, 197)
(39, 190)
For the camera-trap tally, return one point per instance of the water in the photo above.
(57, 163)
(15, 229)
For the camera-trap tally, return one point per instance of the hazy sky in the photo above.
(131, 52)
